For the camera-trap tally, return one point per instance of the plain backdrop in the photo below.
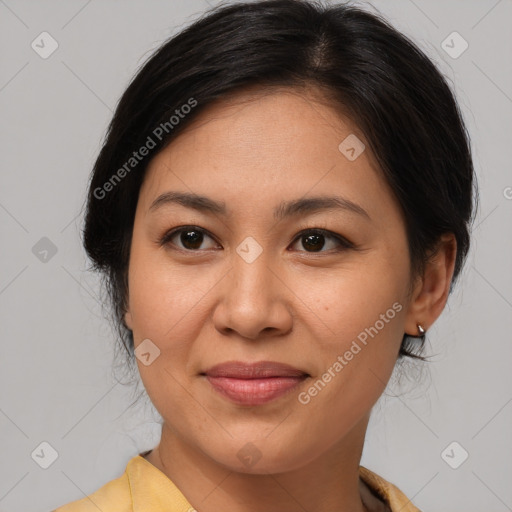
(56, 364)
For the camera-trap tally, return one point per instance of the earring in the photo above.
(421, 330)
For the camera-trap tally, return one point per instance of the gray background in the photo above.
(57, 383)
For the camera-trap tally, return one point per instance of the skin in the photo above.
(295, 304)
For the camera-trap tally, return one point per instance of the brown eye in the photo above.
(191, 239)
(187, 238)
(314, 240)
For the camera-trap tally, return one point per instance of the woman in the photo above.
(281, 208)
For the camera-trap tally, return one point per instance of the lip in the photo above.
(254, 383)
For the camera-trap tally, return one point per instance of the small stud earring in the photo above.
(421, 330)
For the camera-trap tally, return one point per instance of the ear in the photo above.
(127, 318)
(432, 289)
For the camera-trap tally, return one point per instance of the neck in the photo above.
(329, 483)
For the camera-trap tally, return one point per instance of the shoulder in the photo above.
(141, 488)
(114, 496)
(387, 492)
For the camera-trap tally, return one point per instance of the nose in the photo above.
(253, 301)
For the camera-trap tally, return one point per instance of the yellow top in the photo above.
(144, 488)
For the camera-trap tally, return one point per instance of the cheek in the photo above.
(164, 304)
(346, 304)
(162, 296)
(354, 363)
(169, 306)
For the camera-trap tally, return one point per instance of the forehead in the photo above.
(266, 120)
(261, 146)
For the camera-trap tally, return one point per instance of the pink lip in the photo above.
(254, 383)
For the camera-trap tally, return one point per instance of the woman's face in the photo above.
(241, 284)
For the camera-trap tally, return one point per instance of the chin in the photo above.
(262, 456)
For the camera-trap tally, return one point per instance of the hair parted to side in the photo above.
(390, 88)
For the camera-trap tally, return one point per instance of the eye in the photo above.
(191, 238)
(314, 239)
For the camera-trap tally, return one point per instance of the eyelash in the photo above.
(319, 230)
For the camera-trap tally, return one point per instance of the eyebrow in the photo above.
(284, 209)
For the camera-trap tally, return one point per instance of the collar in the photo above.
(151, 489)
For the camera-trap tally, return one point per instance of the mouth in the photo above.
(254, 383)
